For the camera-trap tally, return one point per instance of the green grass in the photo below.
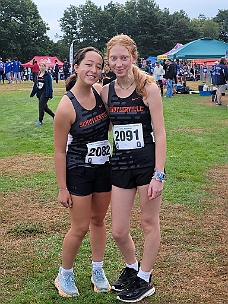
(196, 142)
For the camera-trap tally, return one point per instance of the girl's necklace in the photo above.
(127, 87)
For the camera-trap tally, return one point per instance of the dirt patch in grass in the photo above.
(191, 265)
(25, 166)
(195, 131)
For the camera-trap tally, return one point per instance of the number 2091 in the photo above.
(126, 135)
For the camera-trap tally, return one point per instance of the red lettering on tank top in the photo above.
(93, 120)
(131, 109)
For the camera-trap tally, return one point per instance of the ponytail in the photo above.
(141, 79)
(70, 82)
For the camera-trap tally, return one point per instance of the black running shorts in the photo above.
(132, 178)
(82, 181)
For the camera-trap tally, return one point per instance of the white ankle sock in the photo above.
(144, 275)
(97, 265)
(65, 271)
(133, 266)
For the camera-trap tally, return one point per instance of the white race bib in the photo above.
(40, 85)
(98, 152)
(128, 136)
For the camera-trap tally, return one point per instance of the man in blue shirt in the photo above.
(16, 70)
(220, 78)
(8, 70)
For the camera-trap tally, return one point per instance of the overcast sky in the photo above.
(52, 10)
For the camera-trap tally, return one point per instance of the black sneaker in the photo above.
(126, 277)
(138, 290)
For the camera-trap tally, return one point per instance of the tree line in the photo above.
(23, 33)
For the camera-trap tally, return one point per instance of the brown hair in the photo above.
(78, 57)
(223, 60)
(141, 78)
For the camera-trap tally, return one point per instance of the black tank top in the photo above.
(131, 110)
(41, 83)
(90, 126)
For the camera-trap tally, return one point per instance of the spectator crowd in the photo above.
(15, 72)
(171, 76)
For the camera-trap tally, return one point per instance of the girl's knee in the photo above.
(150, 226)
(119, 236)
(97, 220)
(79, 232)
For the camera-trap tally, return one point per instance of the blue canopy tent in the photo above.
(203, 48)
(152, 59)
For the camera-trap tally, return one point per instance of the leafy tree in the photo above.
(201, 18)
(206, 27)
(70, 24)
(182, 27)
(113, 8)
(22, 31)
(60, 49)
(148, 25)
(93, 31)
(222, 20)
(163, 37)
(210, 29)
(155, 31)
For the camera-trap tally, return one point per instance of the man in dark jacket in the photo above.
(56, 71)
(66, 69)
(220, 78)
(169, 76)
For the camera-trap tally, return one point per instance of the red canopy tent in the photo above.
(50, 61)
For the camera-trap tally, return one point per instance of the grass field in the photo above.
(192, 263)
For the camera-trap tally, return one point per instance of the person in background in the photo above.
(8, 71)
(139, 62)
(135, 109)
(107, 75)
(175, 65)
(220, 79)
(169, 76)
(180, 71)
(214, 91)
(2, 71)
(204, 72)
(29, 73)
(158, 75)
(56, 71)
(145, 67)
(83, 172)
(185, 73)
(35, 70)
(151, 66)
(66, 68)
(17, 70)
(25, 74)
(213, 73)
(42, 88)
